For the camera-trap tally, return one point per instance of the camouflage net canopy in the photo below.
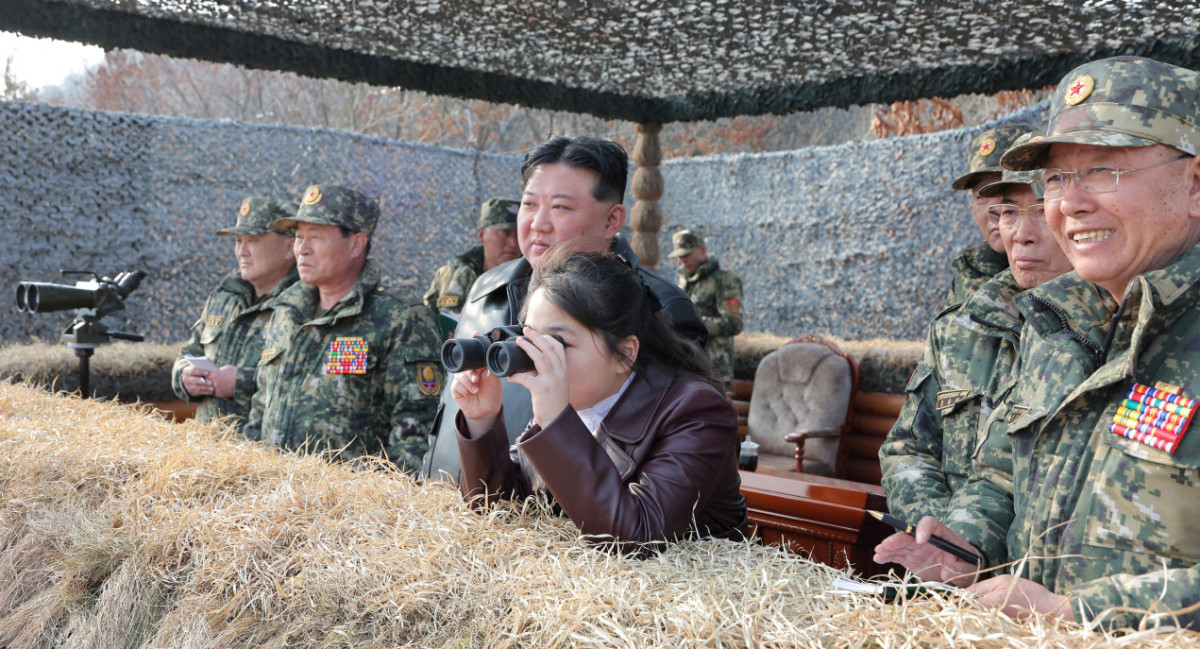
(642, 60)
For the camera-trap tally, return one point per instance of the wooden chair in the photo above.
(803, 404)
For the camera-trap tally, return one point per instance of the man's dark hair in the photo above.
(603, 157)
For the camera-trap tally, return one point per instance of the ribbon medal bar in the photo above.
(1156, 416)
(347, 356)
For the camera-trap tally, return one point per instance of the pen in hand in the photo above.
(934, 540)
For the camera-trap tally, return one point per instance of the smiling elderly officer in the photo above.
(349, 365)
(1105, 462)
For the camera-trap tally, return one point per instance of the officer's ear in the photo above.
(1193, 173)
(358, 244)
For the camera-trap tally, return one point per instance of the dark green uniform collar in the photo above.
(473, 259)
(1068, 303)
(981, 261)
(233, 283)
(992, 306)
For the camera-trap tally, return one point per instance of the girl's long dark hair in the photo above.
(605, 294)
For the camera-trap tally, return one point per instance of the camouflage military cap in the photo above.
(499, 213)
(1031, 177)
(335, 205)
(1122, 101)
(258, 215)
(685, 242)
(985, 152)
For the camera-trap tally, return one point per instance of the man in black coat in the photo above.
(571, 188)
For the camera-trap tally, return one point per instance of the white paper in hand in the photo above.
(200, 362)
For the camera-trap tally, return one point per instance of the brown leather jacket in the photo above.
(662, 466)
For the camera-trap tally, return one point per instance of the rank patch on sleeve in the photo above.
(1015, 413)
(947, 399)
(214, 321)
(347, 356)
(428, 379)
(1157, 416)
(450, 301)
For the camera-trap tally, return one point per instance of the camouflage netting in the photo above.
(111, 192)
(643, 60)
(852, 241)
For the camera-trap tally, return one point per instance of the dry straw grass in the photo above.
(125, 370)
(892, 352)
(121, 530)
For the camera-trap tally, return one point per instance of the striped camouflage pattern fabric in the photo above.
(360, 379)
(717, 294)
(229, 332)
(1106, 519)
(965, 369)
(972, 269)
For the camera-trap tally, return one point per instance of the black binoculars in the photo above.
(102, 294)
(497, 350)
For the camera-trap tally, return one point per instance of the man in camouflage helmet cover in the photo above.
(496, 230)
(349, 365)
(1104, 459)
(977, 265)
(717, 294)
(230, 329)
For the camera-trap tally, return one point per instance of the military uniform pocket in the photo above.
(1145, 502)
(210, 334)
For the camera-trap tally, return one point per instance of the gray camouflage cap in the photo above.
(1122, 101)
(258, 215)
(499, 213)
(335, 205)
(685, 241)
(1031, 177)
(986, 149)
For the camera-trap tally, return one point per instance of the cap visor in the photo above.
(1033, 155)
(967, 181)
(243, 229)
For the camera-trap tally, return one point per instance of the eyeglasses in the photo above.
(1008, 215)
(1093, 180)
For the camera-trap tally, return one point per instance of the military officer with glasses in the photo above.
(966, 370)
(977, 265)
(1105, 466)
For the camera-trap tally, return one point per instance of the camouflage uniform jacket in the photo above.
(229, 332)
(362, 377)
(452, 282)
(972, 269)
(965, 368)
(1115, 518)
(718, 297)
